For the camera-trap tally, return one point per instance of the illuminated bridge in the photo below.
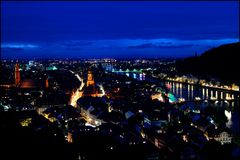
(203, 94)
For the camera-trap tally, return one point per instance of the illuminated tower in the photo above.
(46, 83)
(17, 74)
(90, 80)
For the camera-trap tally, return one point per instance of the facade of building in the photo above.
(92, 89)
(17, 74)
(90, 80)
(224, 138)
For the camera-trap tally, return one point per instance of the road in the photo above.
(78, 94)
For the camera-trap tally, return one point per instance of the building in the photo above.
(90, 80)
(17, 74)
(92, 89)
(46, 83)
(28, 83)
(224, 138)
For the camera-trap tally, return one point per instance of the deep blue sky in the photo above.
(115, 29)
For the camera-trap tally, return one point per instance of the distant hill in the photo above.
(221, 62)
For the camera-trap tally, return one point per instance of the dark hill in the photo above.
(221, 62)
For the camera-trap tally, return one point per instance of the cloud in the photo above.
(18, 46)
(163, 43)
(76, 44)
(177, 43)
(9, 50)
(152, 45)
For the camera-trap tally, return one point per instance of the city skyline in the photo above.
(115, 29)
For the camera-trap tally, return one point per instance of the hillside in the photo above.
(221, 62)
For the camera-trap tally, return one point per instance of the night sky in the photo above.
(115, 29)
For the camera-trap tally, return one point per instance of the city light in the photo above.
(90, 80)
(76, 95)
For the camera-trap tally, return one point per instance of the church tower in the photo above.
(46, 84)
(90, 80)
(17, 74)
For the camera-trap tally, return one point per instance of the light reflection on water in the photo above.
(138, 76)
(190, 92)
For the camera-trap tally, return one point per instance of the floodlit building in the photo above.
(92, 89)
